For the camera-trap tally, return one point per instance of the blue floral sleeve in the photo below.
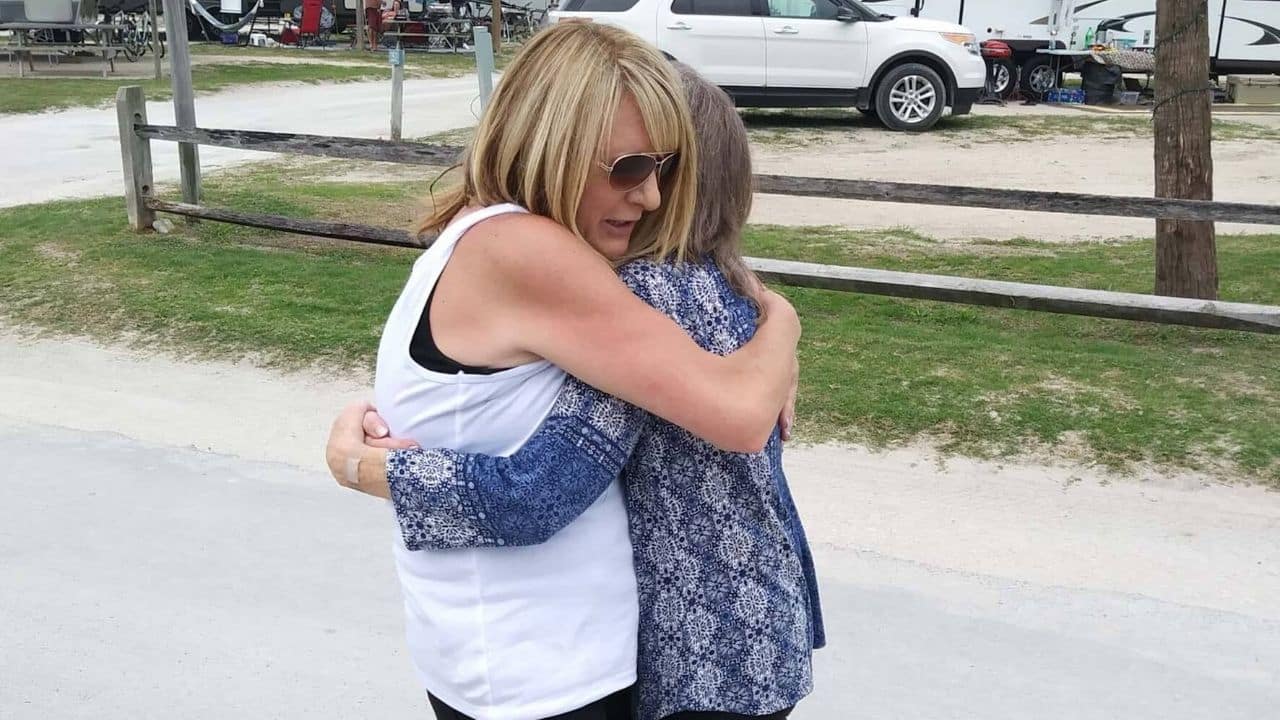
(448, 499)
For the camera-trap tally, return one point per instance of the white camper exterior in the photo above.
(1244, 35)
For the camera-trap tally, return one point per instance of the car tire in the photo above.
(1038, 77)
(910, 98)
(1005, 83)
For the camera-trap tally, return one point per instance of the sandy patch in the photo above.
(1179, 537)
(1105, 163)
(1244, 171)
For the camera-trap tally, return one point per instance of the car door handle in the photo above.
(680, 26)
(786, 30)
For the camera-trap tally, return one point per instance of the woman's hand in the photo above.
(355, 463)
(776, 304)
(780, 309)
(377, 435)
(788, 418)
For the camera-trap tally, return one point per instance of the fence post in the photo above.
(135, 154)
(496, 21)
(153, 18)
(397, 91)
(184, 99)
(484, 64)
(360, 30)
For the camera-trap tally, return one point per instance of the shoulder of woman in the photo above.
(520, 237)
(530, 251)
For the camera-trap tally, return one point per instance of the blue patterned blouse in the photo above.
(729, 610)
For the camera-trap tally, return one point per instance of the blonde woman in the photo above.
(585, 154)
(729, 611)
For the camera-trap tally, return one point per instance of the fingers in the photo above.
(788, 418)
(390, 443)
(346, 438)
(787, 421)
(377, 434)
(374, 426)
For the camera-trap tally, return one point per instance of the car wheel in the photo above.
(1005, 81)
(1038, 77)
(910, 98)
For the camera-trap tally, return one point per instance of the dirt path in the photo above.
(172, 518)
(1146, 535)
(75, 153)
(1244, 171)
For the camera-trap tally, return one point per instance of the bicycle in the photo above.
(136, 38)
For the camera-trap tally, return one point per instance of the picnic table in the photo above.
(429, 32)
(22, 47)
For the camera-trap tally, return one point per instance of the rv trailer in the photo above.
(1244, 35)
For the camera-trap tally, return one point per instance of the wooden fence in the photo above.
(135, 147)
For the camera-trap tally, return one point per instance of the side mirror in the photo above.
(844, 14)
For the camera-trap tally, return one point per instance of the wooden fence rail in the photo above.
(136, 134)
(314, 228)
(1024, 296)
(405, 153)
(944, 288)
(871, 190)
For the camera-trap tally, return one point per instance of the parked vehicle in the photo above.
(810, 53)
(1244, 35)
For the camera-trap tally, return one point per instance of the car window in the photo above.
(811, 9)
(598, 5)
(712, 7)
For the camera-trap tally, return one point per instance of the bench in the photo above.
(453, 41)
(22, 48)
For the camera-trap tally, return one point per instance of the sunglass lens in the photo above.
(631, 171)
(669, 166)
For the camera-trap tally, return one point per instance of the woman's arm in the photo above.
(560, 300)
(448, 499)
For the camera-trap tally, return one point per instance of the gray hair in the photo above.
(725, 184)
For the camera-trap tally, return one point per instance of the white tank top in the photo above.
(504, 633)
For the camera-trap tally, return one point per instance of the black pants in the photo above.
(714, 715)
(614, 707)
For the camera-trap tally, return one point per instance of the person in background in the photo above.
(390, 13)
(373, 21)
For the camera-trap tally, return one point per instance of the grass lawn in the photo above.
(883, 371)
(49, 93)
(436, 63)
(40, 94)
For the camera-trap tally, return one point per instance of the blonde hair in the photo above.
(725, 182)
(549, 122)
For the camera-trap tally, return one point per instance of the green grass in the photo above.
(40, 94)
(882, 371)
(46, 93)
(432, 63)
(985, 381)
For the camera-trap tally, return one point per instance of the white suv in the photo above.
(809, 53)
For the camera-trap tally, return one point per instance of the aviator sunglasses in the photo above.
(628, 172)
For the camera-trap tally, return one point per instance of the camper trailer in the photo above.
(1244, 35)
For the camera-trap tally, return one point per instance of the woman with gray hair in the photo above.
(729, 611)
